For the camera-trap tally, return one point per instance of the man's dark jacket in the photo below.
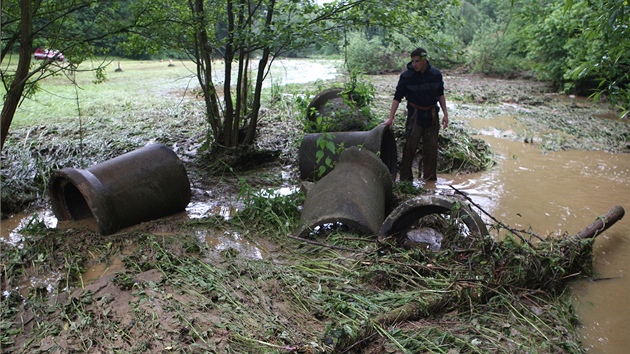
(421, 89)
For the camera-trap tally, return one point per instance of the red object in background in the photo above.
(48, 54)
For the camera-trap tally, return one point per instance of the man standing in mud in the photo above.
(423, 87)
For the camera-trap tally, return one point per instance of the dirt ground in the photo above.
(165, 287)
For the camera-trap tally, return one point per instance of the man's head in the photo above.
(419, 59)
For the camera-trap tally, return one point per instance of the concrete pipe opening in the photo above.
(380, 141)
(138, 186)
(406, 216)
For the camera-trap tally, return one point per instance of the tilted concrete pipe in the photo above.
(356, 193)
(318, 104)
(379, 140)
(141, 185)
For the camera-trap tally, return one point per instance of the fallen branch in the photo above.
(602, 223)
(513, 231)
(412, 310)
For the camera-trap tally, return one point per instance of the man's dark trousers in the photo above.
(416, 130)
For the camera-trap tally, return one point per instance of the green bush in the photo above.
(494, 50)
(369, 56)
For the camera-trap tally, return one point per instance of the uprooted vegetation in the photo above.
(267, 291)
(340, 293)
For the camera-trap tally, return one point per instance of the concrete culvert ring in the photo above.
(408, 213)
(319, 102)
(329, 109)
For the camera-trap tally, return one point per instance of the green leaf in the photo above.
(319, 155)
(331, 146)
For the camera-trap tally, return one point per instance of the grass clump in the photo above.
(461, 153)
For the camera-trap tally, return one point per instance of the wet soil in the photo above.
(108, 309)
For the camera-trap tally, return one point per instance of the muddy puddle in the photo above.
(215, 240)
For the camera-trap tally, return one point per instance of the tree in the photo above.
(252, 33)
(243, 33)
(607, 53)
(72, 27)
(581, 46)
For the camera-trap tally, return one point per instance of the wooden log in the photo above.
(602, 223)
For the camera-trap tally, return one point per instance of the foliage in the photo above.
(368, 56)
(580, 46)
(330, 115)
(326, 146)
(608, 59)
(489, 32)
(461, 152)
(269, 206)
(358, 92)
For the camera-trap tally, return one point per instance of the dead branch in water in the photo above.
(602, 223)
(517, 233)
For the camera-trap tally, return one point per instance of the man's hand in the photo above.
(445, 120)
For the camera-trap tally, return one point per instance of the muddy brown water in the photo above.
(556, 192)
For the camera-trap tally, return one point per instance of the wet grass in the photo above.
(141, 85)
(346, 294)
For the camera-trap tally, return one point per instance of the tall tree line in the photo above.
(581, 46)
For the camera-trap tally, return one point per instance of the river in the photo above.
(558, 192)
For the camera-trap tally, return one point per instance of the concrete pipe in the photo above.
(141, 185)
(337, 114)
(356, 193)
(407, 213)
(379, 140)
(319, 102)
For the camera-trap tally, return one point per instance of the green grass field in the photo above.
(141, 85)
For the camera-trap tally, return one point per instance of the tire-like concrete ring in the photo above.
(412, 210)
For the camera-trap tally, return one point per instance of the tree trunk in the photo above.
(242, 85)
(240, 111)
(14, 94)
(203, 53)
(228, 118)
(262, 66)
